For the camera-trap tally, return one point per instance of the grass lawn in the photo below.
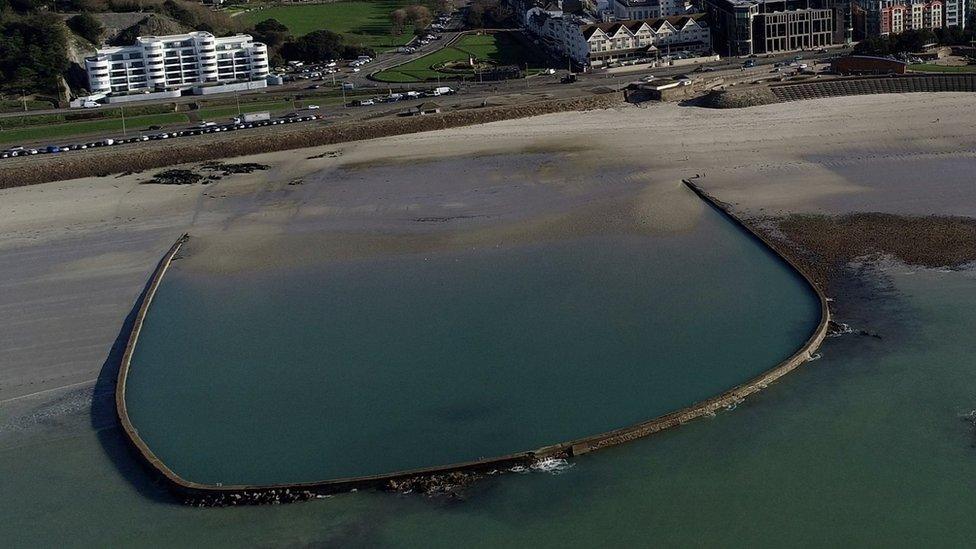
(58, 134)
(928, 67)
(499, 48)
(17, 105)
(365, 22)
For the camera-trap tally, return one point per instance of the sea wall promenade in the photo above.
(457, 473)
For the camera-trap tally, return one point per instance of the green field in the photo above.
(57, 132)
(928, 67)
(499, 48)
(360, 22)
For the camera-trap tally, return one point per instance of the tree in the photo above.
(419, 16)
(398, 20)
(33, 52)
(444, 6)
(475, 18)
(86, 26)
(271, 32)
(270, 25)
(321, 45)
(488, 14)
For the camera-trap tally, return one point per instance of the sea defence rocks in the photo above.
(158, 154)
(447, 479)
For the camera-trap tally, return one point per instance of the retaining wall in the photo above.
(249, 494)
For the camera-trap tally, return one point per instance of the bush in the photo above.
(86, 26)
(320, 46)
(33, 52)
(271, 32)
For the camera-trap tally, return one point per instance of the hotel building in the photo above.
(177, 61)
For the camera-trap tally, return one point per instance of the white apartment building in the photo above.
(596, 44)
(177, 61)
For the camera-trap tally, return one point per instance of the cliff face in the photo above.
(75, 79)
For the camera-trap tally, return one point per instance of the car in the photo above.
(749, 63)
(648, 78)
(798, 58)
(356, 69)
(348, 86)
(312, 107)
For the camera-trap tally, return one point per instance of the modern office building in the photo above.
(177, 61)
(746, 27)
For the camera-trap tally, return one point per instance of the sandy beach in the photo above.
(74, 255)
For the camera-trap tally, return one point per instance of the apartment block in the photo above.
(177, 61)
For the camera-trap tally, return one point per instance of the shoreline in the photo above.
(438, 477)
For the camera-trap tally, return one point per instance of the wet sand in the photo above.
(74, 255)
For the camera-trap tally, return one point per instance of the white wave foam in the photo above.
(551, 465)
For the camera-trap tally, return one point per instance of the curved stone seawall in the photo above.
(205, 494)
(157, 154)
